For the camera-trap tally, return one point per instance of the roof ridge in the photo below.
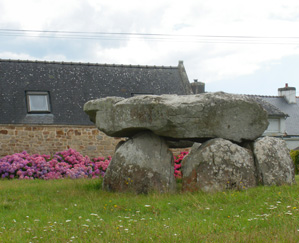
(266, 96)
(87, 64)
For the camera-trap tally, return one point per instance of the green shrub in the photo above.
(295, 157)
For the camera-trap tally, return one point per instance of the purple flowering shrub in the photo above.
(178, 163)
(65, 164)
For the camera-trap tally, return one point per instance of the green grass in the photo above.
(79, 211)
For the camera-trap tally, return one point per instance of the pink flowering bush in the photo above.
(178, 163)
(65, 164)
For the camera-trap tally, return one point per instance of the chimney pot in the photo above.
(287, 85)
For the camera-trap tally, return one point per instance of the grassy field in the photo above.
(79, 211)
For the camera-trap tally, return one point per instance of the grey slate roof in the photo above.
(292, 122)
(72, 84)
(272, 110)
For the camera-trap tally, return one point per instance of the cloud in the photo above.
(243, 60)
(16, 56)
(38, 15)
(208, 59)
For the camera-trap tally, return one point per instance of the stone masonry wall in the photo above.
(49, 139)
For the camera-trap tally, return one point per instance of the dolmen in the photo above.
(223, 129)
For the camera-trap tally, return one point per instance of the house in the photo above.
(41, 103)
(276, 118)
(283, 111)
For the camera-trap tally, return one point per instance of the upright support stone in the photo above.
(274, 164)
(142, 164)
(218, 165)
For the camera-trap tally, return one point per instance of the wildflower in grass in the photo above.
(147, 206)
(68, 220)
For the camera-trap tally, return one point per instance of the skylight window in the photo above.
(38, 102)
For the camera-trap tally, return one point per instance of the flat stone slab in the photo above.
(196, 117)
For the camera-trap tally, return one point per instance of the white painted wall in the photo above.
(276, 127)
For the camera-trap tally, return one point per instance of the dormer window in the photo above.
(38, 102)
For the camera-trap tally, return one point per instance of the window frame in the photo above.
(38, 93)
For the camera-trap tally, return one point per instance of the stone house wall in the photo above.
(49, 139)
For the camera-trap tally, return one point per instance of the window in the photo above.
(38, 102)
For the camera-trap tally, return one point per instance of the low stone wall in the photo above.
(49, 139)
(177, 151)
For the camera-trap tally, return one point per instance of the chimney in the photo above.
(197, 87)
(289, 94)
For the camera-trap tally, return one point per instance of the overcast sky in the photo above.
(236, 46)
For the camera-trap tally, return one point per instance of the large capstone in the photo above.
(218, 165)
(141, 165)
(191, 117)
(273, 161)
